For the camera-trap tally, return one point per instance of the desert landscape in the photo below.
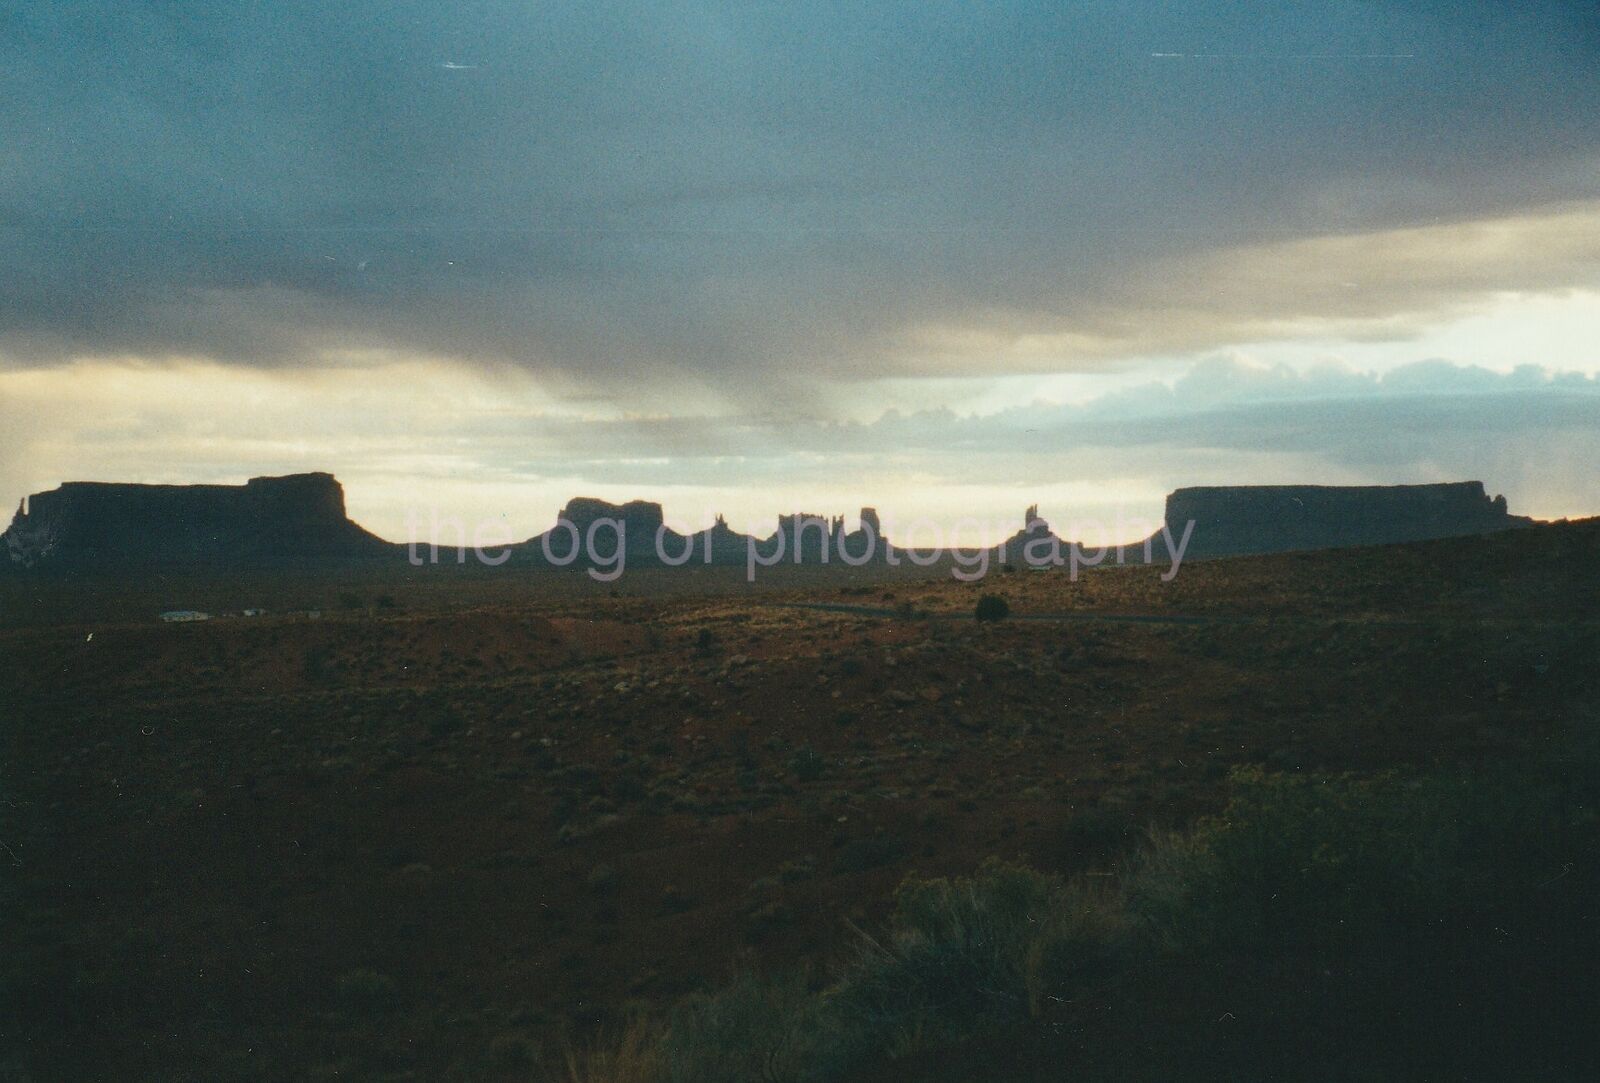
(425, 834)
(893, 542)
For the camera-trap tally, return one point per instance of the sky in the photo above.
(949, 259)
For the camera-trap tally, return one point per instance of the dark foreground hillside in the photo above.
(1325, 816)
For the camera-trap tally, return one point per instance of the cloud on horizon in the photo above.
(431, 437)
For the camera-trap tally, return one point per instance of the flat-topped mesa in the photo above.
(596, 533)
(1239, 519)
(268, 520)
(640, 518)
(311, 497)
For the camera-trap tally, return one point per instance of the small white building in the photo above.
(184, 616)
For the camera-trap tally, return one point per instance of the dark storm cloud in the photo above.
(608, 191)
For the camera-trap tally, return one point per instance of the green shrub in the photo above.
(1323, 863)
(754, 1029)
(1084, 948)
(953, 962)
(1287, 861)
(992, 607)
(1443, 917)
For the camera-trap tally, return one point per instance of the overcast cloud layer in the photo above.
(613, 193)
(680, 250)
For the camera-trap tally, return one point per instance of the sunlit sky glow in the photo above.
(945, 258)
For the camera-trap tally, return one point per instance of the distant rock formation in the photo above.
(728, 546)
(811, 535)
(1034, 546)
(1240, 519)
(268, 521)
(869, 521)
(866, 544)
(808, 538)
(300, 519)
(640, 520)
(587, 526)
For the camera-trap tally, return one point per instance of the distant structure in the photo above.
(1241, 519)
(184, 616)
(267, 521)
(1014, 552)
(299, 521)
(809, 538)
(640, 520)
(1033, 526)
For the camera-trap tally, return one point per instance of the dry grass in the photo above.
(633, 1056)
